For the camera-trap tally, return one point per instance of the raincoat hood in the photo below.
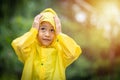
(48, 16)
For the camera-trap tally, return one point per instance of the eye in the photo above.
(52, 30)
(42, 28)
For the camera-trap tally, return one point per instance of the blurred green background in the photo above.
(93, 24)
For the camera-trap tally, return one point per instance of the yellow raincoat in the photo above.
(45, 63)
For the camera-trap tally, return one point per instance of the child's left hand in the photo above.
(58, 25)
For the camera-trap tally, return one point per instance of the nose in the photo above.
(47, 34)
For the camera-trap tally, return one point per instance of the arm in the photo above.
(24, 44)
(71, 51)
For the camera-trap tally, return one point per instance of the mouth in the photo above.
(47, 39)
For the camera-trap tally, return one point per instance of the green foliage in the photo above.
(81, 67)
(17, 17)
(95, 52)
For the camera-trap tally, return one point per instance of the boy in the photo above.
(45, 50)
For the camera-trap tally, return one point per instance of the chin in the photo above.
(46, 45)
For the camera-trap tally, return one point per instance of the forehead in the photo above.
(46, 24)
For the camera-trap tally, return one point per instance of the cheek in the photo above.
(52, 36)
(39, 36)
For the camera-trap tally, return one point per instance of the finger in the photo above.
(58, 24)
(57, 21)
(36, 21)
(37, 18)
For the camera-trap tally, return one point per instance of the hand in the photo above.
(58, 25)
(36, 22)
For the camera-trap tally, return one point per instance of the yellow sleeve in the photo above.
(70, 50)
(23, 45)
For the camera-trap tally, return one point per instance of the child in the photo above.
(44, 50)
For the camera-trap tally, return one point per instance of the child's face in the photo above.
(46, 34)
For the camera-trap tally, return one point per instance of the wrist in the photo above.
(35, 25)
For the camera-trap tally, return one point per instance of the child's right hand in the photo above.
(36, 22)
